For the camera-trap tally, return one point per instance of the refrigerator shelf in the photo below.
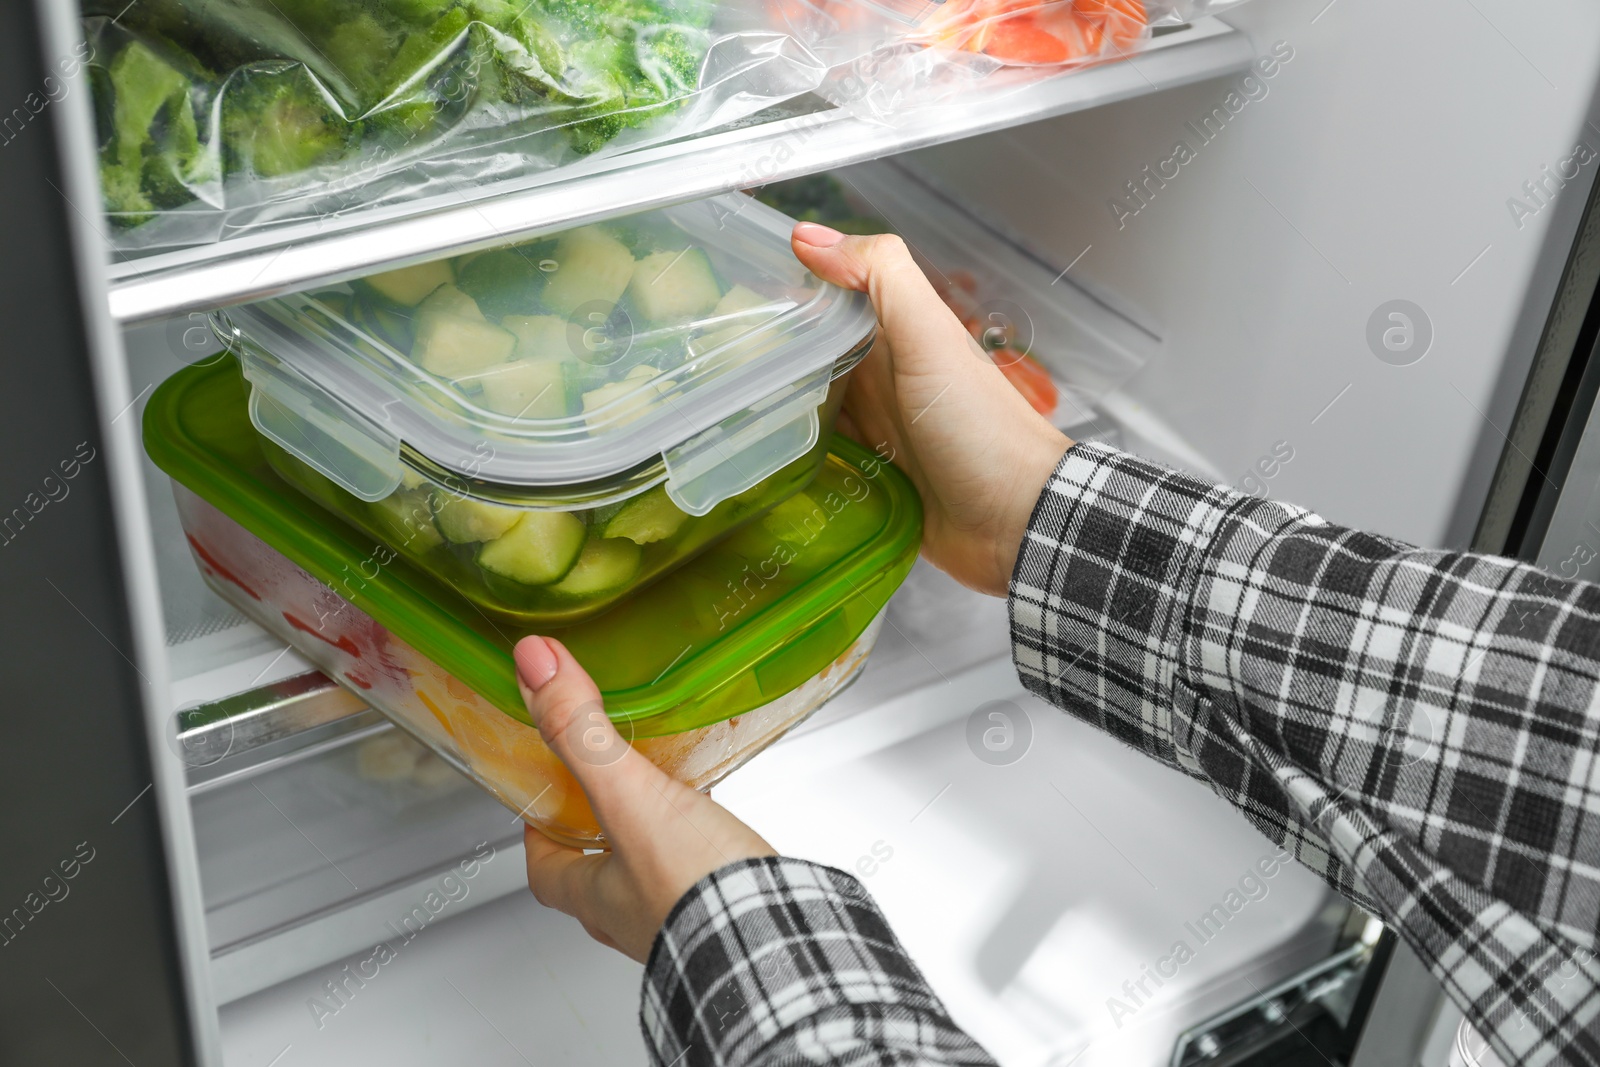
(802, 138)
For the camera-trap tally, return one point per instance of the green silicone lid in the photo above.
(739, 626)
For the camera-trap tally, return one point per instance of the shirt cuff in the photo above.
(775, 955)
(1100, 594)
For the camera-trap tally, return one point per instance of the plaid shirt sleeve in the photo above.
(781, 961)
(1418, 727)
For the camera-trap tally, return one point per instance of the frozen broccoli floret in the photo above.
(154, 152)
(420, 11)
(360, 50)
(633, 74)
(280, 121)
(670, 58)
(143, 83)
(178, 162)
(517, 20)
(124, 195)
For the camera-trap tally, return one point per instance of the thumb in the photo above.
(566, 706)
(923, 332)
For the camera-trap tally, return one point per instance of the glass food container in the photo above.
(548, 426)
(700, 671)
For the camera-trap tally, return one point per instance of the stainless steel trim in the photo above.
(295, 749)
(210, 733)
(334, 249)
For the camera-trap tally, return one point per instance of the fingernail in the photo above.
(816, 235)
(536, 662)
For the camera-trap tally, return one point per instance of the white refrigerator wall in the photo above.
(1381, 162)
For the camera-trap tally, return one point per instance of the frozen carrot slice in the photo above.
(1123, 21)
(1021, 40)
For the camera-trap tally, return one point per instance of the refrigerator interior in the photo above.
(1375, 164)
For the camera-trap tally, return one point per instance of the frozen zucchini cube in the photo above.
(797, 520)
(649, 517)
(463, 520)
(539, 549)
(592, 267)
(506, 281)
(739, 305)
(409, 285)
(616, 403)
(671, 287)
(454, 340)
(540, 336)
(526, 389)
(605, 564)
(407, 520)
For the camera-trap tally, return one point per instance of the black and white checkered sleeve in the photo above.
(1421, 728)
(781, 961)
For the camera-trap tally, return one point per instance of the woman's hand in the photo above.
(664, 836)
(929, 398)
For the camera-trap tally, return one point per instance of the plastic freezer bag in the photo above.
(216, 117)
(891, 56)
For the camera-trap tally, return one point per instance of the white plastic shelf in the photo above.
(334, 249)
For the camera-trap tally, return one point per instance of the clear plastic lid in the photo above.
(685, 345)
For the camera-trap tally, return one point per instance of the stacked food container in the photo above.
(619, 435)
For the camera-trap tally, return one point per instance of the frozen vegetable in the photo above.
(618, 402)
(462, 519)
(647, 518)
(147, 163)
(592, 271)
(673, 287)
(506, 281)
(742, 309)
(409, 285)
(298, 84)
(587, 325)
(603, 565)
(526, 388)
(406, 519)
(540, 547)
(454, 339)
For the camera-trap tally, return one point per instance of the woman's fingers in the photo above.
(558, 874)
(569, 881)
(664, 836)
(923, 330)
(625, 790)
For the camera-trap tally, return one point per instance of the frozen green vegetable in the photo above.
(538, 549)
(241, 91)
